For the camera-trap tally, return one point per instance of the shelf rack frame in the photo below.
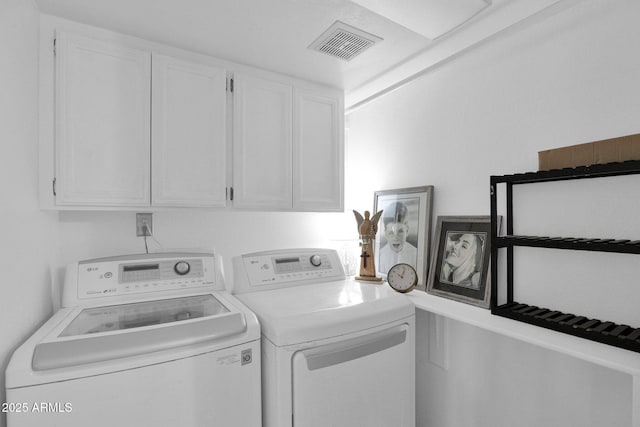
(623, 336)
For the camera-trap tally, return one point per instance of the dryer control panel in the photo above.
(276, 269)
(130, 275)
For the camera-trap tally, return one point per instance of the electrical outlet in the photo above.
(144, 224)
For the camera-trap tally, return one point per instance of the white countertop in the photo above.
(601, 354)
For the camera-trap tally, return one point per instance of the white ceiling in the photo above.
(275, 34)
(431, 18)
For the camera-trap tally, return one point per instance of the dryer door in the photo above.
(362, 381)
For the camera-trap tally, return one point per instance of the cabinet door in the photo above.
(102, 123)
(188, 133)
(262, 155)
(318, 177)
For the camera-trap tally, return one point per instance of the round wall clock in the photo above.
(402, 277)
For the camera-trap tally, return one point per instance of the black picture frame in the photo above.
(460, 264)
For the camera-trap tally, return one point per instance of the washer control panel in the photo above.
(268, 270)
(126, 275)
(166, 271)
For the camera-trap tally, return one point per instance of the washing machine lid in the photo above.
(324, 310)
(110, 332)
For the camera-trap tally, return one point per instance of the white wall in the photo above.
(569, 80)
(27, 235)
(572, 80)
(95, 234)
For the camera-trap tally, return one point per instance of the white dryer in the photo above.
(144, 340)
(335, 352)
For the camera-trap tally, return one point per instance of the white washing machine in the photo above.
(144, 340)
(335, 352)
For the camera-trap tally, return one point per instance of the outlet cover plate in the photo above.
(141, 220)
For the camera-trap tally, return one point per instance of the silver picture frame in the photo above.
(404, 230)
(460, 262)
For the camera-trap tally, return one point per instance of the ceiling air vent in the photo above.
(344, 41)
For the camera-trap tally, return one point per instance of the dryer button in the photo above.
(315, 260)
(182, 268)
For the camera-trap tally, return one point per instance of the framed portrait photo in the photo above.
(404, 230)
(460, 268)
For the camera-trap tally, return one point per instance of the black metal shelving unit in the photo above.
(623, 336)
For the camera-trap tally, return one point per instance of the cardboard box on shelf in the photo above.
(597, 152)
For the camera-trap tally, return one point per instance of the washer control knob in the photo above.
(315, 260)
(182, 268)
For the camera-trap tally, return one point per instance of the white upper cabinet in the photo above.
(136, 129)
(127, 124)
(288, 146)
(188, 133)
(262, 151)
(318, 151)
(102, 128)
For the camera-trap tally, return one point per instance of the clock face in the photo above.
(402, 277)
